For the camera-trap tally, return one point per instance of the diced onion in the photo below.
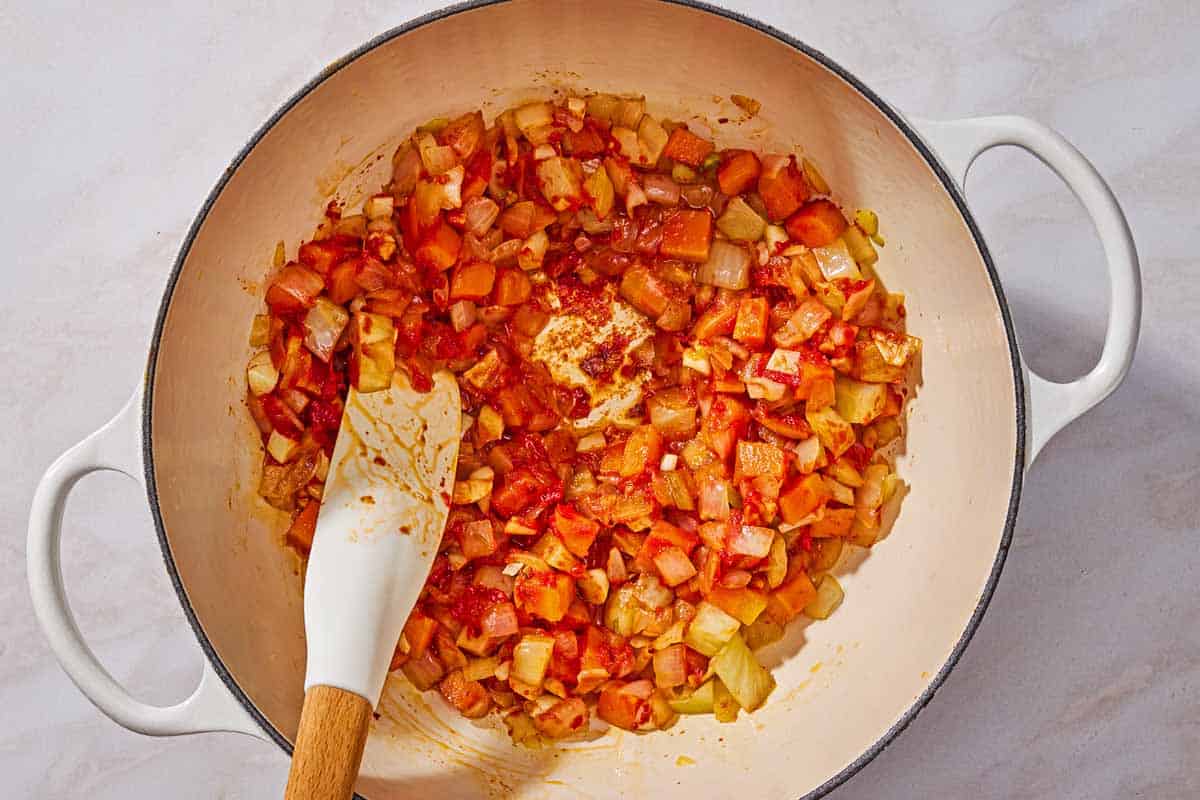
(379, 207)
(500, 620)
(836, 262)
(281, 447)
(462, 315)
(728, 266)
(323, 326)
(747, 680)
(661, 189)
(261, 374)
(531, 657)
(481, 214)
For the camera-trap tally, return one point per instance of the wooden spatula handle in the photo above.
(329, 745)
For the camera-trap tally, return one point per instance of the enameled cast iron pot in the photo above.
(979, 418)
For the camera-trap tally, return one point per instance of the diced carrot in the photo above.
(813, 376)
(687, 234)
(469, 698)
(576, 531)
(479, 170)
(724, 425)
(545, 594)
(821, 394)
(664, 534)
(751, 326)
(418, 633)
(686, 147)
(786, 602)
(802, 498)
(642, 449)
(512, 287)
(738, 171)
(343, 285)
(816, 224)
(304, 525)
(645, 291)
(717, 320)
(472, 281)
(322, 256)
(783, 189)
(743, 604)
(626, 705)
(758, 458)
(439, 248)
(836, 522)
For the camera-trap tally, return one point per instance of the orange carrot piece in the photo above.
(738, 171)
(304, 525)
(751, 326)
(472, 281)
(783, 191)
(687, 234)
(686, 147)
(816, 224)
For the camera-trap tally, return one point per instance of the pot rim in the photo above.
(896, 118)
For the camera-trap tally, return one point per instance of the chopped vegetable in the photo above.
(623, 563)
(828, 598)
(687, 234)
(727, 266)
(747, 680)
(710, 629)
(740, 222)
(817, 223)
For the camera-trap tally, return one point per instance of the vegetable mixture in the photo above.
(680, 376)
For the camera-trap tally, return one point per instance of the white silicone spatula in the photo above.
(385, 504)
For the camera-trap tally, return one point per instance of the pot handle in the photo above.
(116, 447)
(1053, 405)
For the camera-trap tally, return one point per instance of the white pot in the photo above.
(979, 418)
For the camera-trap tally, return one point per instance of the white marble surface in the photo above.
(1084, 679)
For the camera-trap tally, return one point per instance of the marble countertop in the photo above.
(1084, 679)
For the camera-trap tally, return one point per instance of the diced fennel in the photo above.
(814, 177)
(725, 707)
(763, 632)
(826, 553)
(740, 222)
(653, 138)
(599, 187)
(777, 562)
(480, 668)
(748, 681)
(531, 657)
(699, 701)
(281, 447)
(859, 246)
(829, 597)
(261, 374)
(710, 629)
(260, 331)
(867, 220)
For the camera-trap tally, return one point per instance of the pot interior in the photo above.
(843, 683)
